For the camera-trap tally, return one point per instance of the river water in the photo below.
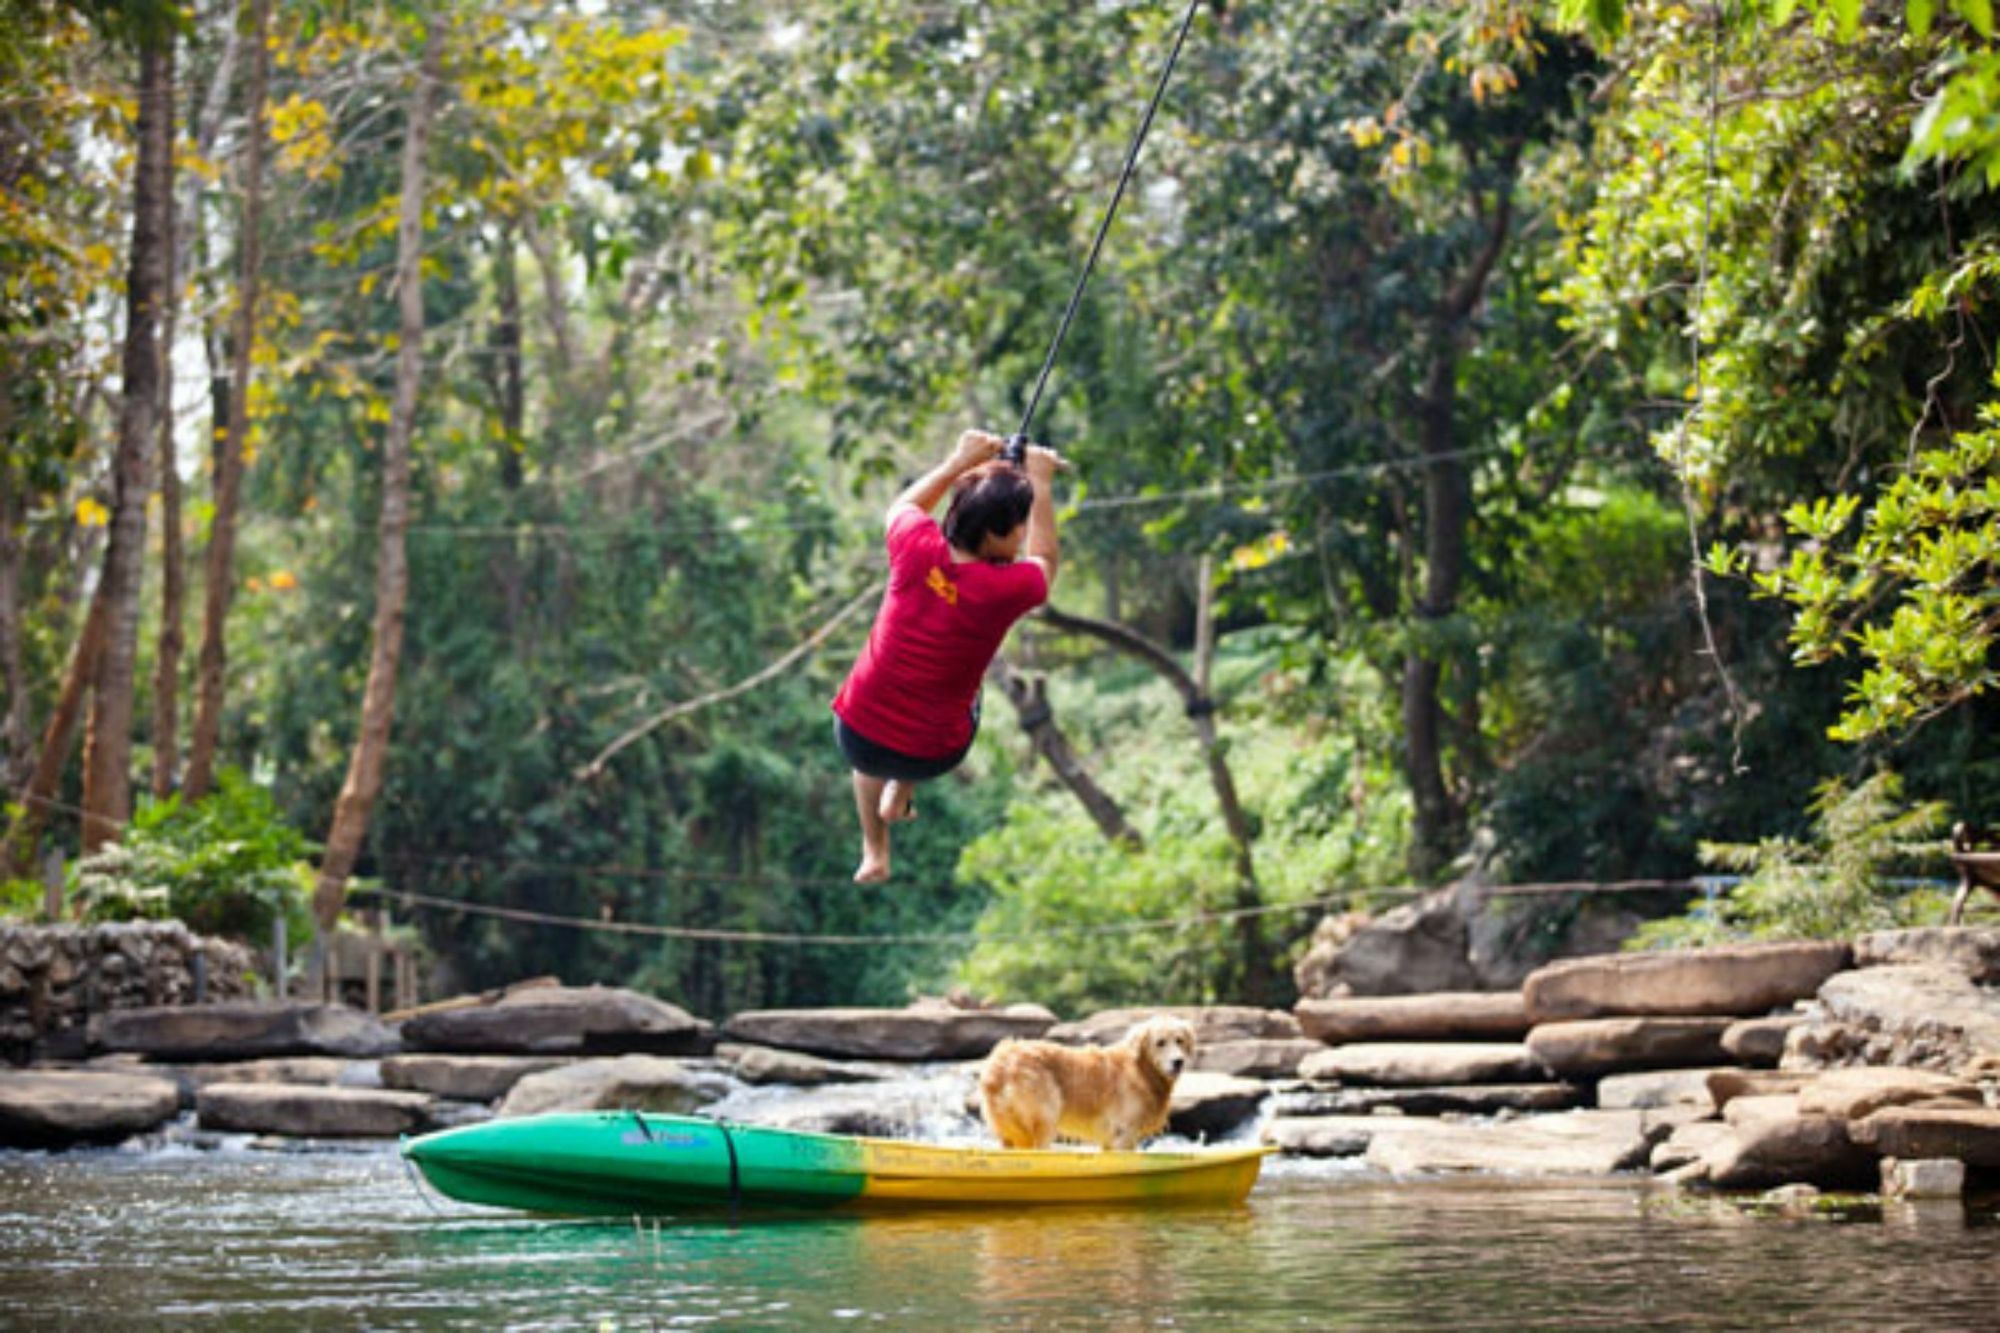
(234, 1236)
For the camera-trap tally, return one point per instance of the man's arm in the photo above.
(973, 448)
(1041, 545)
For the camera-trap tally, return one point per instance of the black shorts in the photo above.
(879, 761)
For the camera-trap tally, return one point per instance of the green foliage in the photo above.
(227, 865)
(1833, 887)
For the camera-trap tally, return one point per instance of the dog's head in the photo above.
(1167, 1044)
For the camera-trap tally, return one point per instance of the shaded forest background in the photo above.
(1524, 439)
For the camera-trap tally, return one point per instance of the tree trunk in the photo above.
(173, 561)
(1256, 979)
(38, 797)
(219, 576)
(371, 748)
(107, 750)
(14, 754)
(1031, 704)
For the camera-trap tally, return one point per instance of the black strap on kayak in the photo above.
(645, 1130)
(1017, 444)
(735, 1173)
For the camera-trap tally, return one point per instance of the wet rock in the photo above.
(1568, 1143)
(1467, 1099)
(1971, 1135)
(307, 1112)
(1926, 1178)
(1771, 1149)
(1688, 1144)
(1335, 1135)
(1214, 1105)
(931, 1031)
(1743, 979)
(622, 1083)
(1276, 1057)
(1760, 1042)
(1656, 1088)
(309, 1070)
(1971, 950)
(1853, 1094)
(1418, 1064)
(1213, 1024)
(46, 1108)
(244, 1030)
(466, 1078)
(1448, 1016)
(1586, 1048)
(1919, 1014)
(563, 1020)
(766, 1064)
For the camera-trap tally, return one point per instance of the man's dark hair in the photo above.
(993, 498)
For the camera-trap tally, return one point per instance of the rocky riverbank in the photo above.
(1875, 1064)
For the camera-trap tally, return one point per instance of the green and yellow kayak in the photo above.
(618, 1163)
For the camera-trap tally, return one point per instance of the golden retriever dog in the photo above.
(1112, 1096)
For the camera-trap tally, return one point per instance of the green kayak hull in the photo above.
(622, 1163)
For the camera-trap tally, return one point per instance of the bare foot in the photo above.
(872, 871)
(898, 803)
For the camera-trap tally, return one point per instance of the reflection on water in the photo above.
(345, 1239)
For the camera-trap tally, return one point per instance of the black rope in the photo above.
(1017, 443)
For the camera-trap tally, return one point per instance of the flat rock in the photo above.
(563, 1020)
(1972, 950)
(243, 1030)
(297, 1111)
(1257, 1057)
(1688, 1143)
(1650, 1089)
(1442, 1016)
(1592, 1143)
(49, 1108)
(465, 1078)
(1213, 1024)
(1970, 1135)
(1855, 1093)
(619, 1083)
(1725, 1085)
(1766, 1150)
(1760, 1042)
(1421, 1064)
(320, 1071)
(1335, 1135)
(1211, 1106)
(1920, 1014)
(768, 1064)
(919, 1032)
(1469, 1099)
(1586, 1048)
(1737, 979)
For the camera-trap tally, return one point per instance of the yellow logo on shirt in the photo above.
(942, 586)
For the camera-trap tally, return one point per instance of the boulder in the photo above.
(1915, 1014)
(1763, 1151)
(1972, 950)
(244, 1030)
(1590, 1143)
(1213, 1024)
(1586, 1048)
(1726, 1085)
(48, 1108)
(1652, 1089)
(1738, 979)
(620, 1083)
(924, 1031)
(297, 1111)
(1688, 1144)
(1467, 1099)
(1969, 1134)
(1760, 1042)
(321, 1071)
(1419, 1064)
(563, 1020)
(1212, 1106)
(1266, 1057)
(1335, 1135)
(1447, 1016)
(1853, 1094)
(465, 1078)
(767, 1064)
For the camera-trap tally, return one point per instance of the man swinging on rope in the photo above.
(910, 707)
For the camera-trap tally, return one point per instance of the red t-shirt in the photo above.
(941, 621)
